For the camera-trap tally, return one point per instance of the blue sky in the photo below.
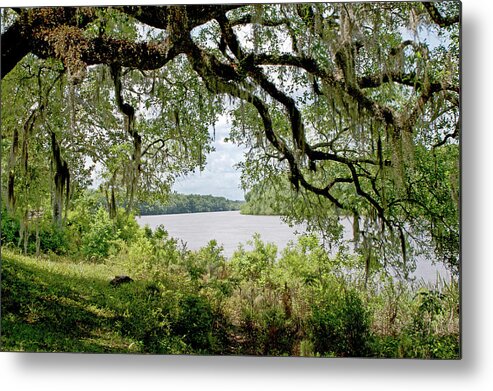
(219, 178)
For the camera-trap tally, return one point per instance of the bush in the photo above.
(426, 331)
(254, 265)
(126, 227)
(277, 332)
(9, 228)
(165, 248)
(194, 323)
(306, 261)
(96, 242)
(263, 325)
(207, 264)
(52, 238)
(140, 259)
(340, 325)
(147, 316)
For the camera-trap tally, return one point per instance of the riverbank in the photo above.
(196, 303)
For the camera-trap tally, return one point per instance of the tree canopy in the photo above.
(347, 109)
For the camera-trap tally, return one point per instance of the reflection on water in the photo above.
(231, 228)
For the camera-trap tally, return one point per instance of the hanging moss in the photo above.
(356, 229)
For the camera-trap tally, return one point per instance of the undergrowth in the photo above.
(257, 303)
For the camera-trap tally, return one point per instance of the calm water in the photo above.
(228, 228)
(231, 228)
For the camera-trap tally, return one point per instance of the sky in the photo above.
(220, 177)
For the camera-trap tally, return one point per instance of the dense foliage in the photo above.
(184, 302)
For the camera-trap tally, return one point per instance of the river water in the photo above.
(232, 228)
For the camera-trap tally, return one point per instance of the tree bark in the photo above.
(61, 181)
(14, 149)
(129, 112)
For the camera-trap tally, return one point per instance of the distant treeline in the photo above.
(190, 203)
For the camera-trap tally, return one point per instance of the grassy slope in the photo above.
(61, 306)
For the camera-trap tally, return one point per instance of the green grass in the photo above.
(60, 306)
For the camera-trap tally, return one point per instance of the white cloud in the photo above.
(220, 177)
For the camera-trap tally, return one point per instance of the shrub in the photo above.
(9, 228)
(194, 323)
(126, 227)
(96, 242)
(306, 261)
(340, 325)
(277, 332)
(146, 316)
(254, 265)
(141, 252)
(208, 263)
(427, 331)
(165, 249)
(52, 238)
(262, 325)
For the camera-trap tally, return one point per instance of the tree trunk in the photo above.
(111, 197)
(136, 158)
(38, 239)
(11, 170)
(24, 232)
(61, 181)
(129, 114)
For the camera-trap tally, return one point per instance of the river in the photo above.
(232, 228)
